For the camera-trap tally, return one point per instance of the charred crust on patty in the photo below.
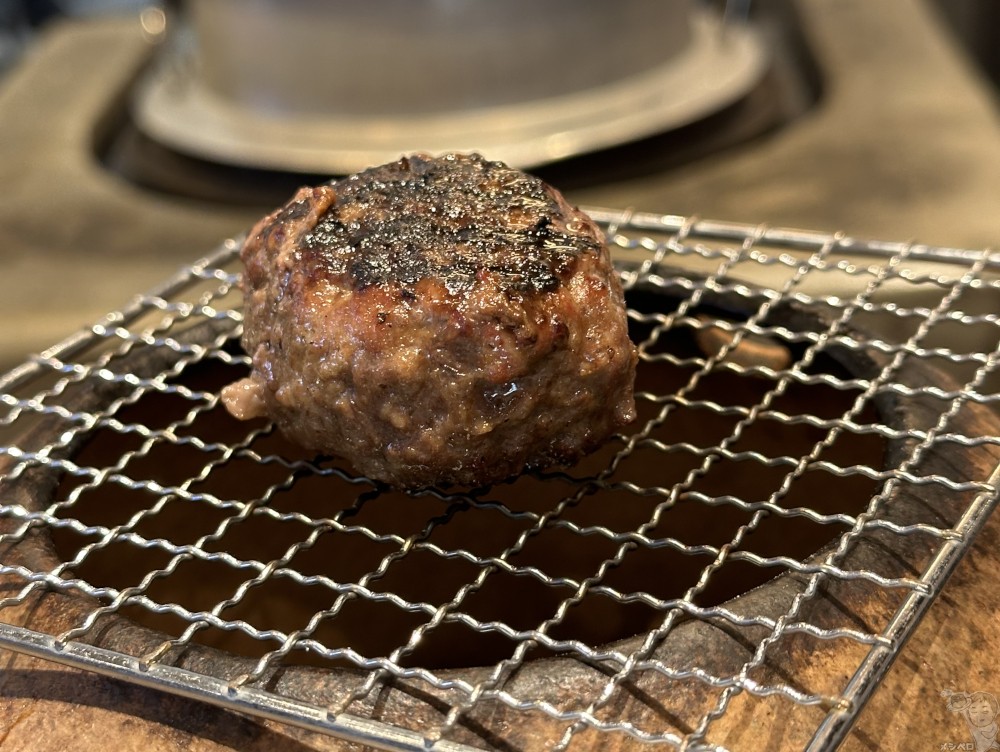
(451, 219)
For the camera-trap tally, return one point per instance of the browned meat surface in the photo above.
(435, 321)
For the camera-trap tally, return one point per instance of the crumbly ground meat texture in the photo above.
(435, 321)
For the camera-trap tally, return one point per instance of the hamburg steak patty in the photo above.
(435, 321)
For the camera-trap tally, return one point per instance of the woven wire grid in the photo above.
(758, 464)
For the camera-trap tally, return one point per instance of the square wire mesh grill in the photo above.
(806, 401)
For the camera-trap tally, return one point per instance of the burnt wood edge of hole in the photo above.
(714, 645)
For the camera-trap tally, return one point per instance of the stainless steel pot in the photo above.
(339, 86)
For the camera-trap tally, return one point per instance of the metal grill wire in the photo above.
(940, 289)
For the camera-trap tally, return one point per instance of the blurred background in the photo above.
(134, 137)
